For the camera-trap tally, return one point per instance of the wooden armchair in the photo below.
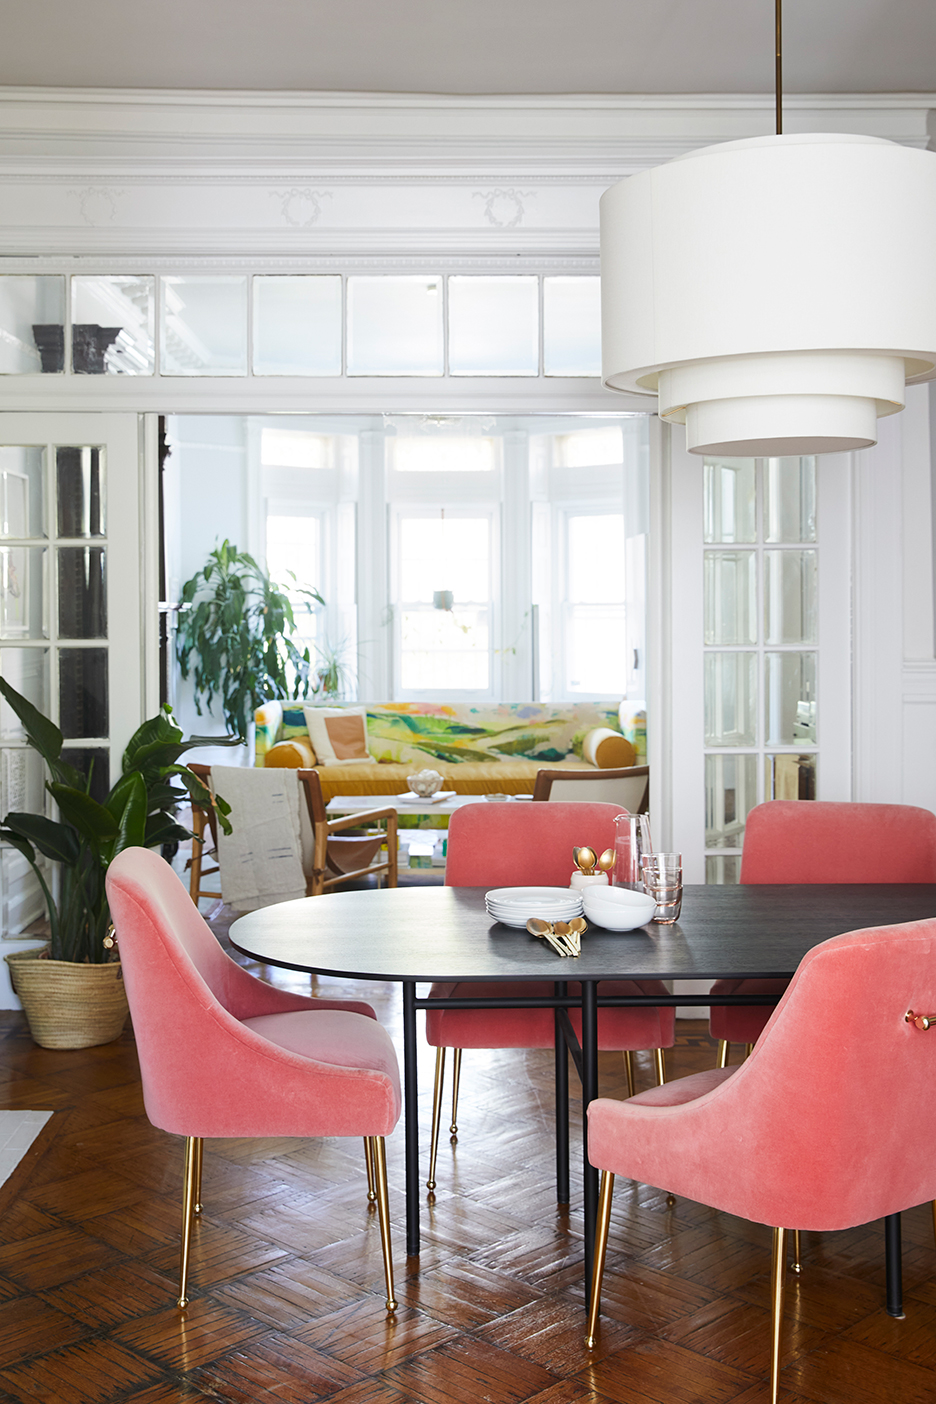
(337, 857)
(629, 786)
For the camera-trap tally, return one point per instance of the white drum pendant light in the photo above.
(777, 293)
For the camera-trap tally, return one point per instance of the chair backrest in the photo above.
(510, 844)
(818, 841)
(629, 787)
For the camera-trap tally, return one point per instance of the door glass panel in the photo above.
(23, 612)
(789, 777)
(730, 795)
(26, 669)
(112, 325)
(80, 474)
(204, 326)
(22, 781)
(395, 326)
(790, 615)
(83, 693)
(493, 326)
(22, 491)
(297, 325)
(730, 699)
(93, 761)
(790, 697)
(82, 593)
(730, 597)
(723, 869)
(789, 499)
(32, 325)
(730, 497)
(572, 326)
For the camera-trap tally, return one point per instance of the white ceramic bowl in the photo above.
(617, 908)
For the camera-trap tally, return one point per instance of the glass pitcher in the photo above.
(631, 841)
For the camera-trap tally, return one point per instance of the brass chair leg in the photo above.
(748, 1049)
(601, 1248)
(660, 1065)
(797, 1263)
(379, 1154)
(456, 1078)
(369, 1162)
(629, 1070)
(199, 1150)
(723, 1047)
(192, 1149)
(934, 1218)
(436, 1116)
(777, 1279)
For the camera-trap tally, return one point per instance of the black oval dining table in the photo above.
(424, 935)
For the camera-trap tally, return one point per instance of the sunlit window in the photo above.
(442, 455)
(589, 448)
(595, 640)
(444, 602)
(295, 448)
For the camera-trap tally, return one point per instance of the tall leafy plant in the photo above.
(236, 639)
(87, 836)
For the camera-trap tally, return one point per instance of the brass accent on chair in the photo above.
(456, 1078)
(797, 1264)
(436, 1118)
(199, 1156)
(723, 1047)
(777, 1283)
(379, 1156)
(371, 1179)
(919, 1021)
(601, 1248)
(192, 1157)
(629, 1071)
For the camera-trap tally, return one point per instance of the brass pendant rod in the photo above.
(778, 65)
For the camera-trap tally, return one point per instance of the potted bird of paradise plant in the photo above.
(72, 990)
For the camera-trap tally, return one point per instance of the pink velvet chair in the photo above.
(825, 1122)
(520, 845)
(816, 842)
(224, 1054)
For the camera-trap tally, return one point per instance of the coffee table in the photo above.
(443, 934)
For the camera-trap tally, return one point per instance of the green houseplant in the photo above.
(82, 842)
(235, 639)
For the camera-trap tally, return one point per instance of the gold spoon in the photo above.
(586, 858)
(606, 861)
(544, 929)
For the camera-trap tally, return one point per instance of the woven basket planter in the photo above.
(69, 1005)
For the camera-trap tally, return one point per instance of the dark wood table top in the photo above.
(444, 934)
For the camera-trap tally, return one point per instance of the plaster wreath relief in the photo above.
(504, 208)
(300, 206)
(97, 204)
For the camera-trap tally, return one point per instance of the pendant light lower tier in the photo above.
(778, 294)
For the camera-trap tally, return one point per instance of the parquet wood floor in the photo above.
(286, 1278)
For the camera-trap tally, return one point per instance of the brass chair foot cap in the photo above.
(670, 1200)
(590, 1342)
(453, 1130)
(197, 1209)
(392, 1304)
(371, 1197)
(430, 1184)
(182, 1301)
(797, 1268)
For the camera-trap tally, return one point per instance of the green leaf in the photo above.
(56, 841)
(132, 818)
(94, 822)
(41, 733)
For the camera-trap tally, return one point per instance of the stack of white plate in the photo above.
(515, 905)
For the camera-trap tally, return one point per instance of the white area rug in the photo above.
(18, 1130)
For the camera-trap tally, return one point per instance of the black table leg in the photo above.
(411, 1113)
(562, 1105)
(893, 1266)
(589, 1093)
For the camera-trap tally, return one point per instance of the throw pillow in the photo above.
(338, 734)
(296, 754)
(608, 749)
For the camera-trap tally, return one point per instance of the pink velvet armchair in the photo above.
(224, 1054)
(501, 845)
(825, 1123)
(817, 841)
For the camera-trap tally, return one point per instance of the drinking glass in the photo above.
(662, 879)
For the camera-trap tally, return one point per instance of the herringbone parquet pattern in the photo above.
(287, 1275)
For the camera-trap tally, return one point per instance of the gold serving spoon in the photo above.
(585, 859)
(606, 861)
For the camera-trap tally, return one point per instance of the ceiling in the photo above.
(470, 46)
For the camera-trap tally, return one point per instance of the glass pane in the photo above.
(297, 325)
(32, 325)
(93, 761)
(589, 448)
(789, 597)
(790, 698)
(22, 782)
(596, 551)
(22, 491)
(21, 899)
(445, 649)
(790, 777)
(730, 795)
(730, 597)
(445, 553)
(22, 592)
(112, 325)
(204, 326)
(723, 870)
(26, 669)
(493, 326)
(596, 650)
(296, 448)
(790, 499)
(730, 699)
(80, 481)
(83, 698)
(395, 326)
(729, 496)
(572, 326)
(82, 594)
(448, 454)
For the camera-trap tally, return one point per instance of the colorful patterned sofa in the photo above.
(492, 748)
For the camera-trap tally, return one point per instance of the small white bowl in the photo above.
(617, 913)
